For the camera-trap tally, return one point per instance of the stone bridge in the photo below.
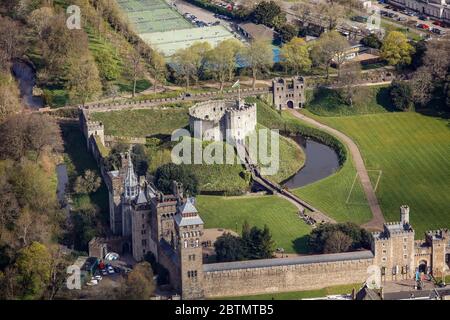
(275, 188)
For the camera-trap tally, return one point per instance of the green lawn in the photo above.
(413, 153)
(141, 123)
(333, 195)
(288, 231)
(297, 295)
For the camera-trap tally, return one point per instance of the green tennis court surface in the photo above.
(149, 16)
(170, 41)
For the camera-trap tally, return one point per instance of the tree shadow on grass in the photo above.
(383, 98)
(301, 244)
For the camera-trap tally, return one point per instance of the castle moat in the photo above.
(321, 161)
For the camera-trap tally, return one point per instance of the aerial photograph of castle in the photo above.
(224, 150)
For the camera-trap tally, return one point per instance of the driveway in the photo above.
(376, 224)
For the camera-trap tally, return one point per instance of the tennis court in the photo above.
(148, 16)
(170, 41)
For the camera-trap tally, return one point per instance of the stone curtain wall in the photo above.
(295, 277)
(149, 104)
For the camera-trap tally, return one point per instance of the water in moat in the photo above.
(321, 161)
(26, 76)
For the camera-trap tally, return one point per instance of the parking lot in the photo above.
(411, 19)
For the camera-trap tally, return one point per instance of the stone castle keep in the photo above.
(170, 226)
(219, 120)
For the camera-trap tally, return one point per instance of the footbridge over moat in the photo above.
(274, 188)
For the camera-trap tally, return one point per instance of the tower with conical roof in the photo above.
(130, 192)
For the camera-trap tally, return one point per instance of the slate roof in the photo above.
(267, 263)
(188, 207)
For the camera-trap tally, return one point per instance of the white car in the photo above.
(93, 282)
(98, 277)
(110, 270)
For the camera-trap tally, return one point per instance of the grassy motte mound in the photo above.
(370, 99)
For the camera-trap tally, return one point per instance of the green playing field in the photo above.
(149, 16)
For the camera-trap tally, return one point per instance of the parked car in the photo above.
(98, 277)
(437, 31)
(110, 270)
(93, 282)
(104, 272)
(437, 23)
(423, 26)
(424, 17)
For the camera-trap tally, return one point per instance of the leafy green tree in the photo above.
(268, 13)
(88, 183)
(83, 80)
(318, 239)
(295, 56)
(401, 95)
(167, 173)
(259, 58)
(371, 41)
(396, 49)
(221, 62)
(287, 32)
(329, 48)
(158, 68)
(33, 267)
(189, 62)
(229, 248)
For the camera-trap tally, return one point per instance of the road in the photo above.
(376, 224)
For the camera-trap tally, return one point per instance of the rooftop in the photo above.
(267, 263)
(258, 31)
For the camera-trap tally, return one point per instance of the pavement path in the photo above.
(378, 219)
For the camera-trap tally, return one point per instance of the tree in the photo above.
(140, 159)
(318, 239)
(40, 19)
(229, 248)
(9, 96)
(330, 47)
(269, 14)
(158, 68)
(32, 132)
(371, 41)
(401, 95)
(33, 266)
(349, 78)
(287, 32)
(396, 49)
(167, 173)
(139, 284)
(9, 207)
(259, 58)
(221, 62)
(88, 183)
(337, 242)
(330, 12)
(83, 80)
(189, 62)
(295, 55)
(134, 67)
(11, 41)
